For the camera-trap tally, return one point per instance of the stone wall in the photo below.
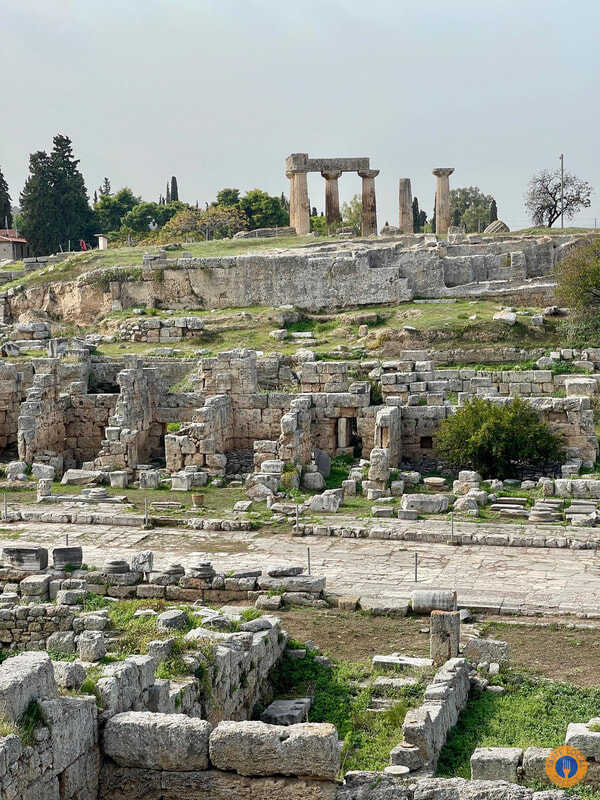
(10, 401)
(322, 276)
(64, 760)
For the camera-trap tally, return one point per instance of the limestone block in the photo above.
(254, 748)
(42, 471)
(23, 678)
(92, 646)
(534, 763)
(313, 481)
(34, 585)
(477, 650)
(61, 642)
(73, 726)
(181, 482)
(14, 468)
(583, 739)
(119, 479)
(349, 487)
(379, 469)
(82, 477)
(68, 674)
(149, 479)
(425, 503)
(444, 635)
(157, 741)
(287, 712)
(581, 387)
(172, 619)
(496, 763)
(327, 501)
(507, 317)
(293, 583)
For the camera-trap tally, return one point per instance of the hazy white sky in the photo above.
(218, 92)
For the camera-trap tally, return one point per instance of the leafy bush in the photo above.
(498, 441)
(578, 276)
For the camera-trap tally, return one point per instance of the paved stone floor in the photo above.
(526, 579)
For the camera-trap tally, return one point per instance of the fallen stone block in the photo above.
(254, 748)
(157, 741)
(23, 678)
(496, 764)
(287, 712)
(477, 650)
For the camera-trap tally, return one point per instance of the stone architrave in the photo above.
(442, 199)
(369, 204)
(405, 216)
(332, 196)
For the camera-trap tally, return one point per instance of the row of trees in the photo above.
(56, 213)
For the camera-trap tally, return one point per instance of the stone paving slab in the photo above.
(530, 580)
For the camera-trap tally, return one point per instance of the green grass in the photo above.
(78, 263)
(368, 737)
(26, 725)
(530, 714)
(340, 469)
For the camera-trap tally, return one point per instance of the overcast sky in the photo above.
(219, 92)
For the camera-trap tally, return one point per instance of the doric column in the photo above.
(332, 196)
(369, 204)
(442, 199)
(301, 210)
(291, 176)
(405, 217)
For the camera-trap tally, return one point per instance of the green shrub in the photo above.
(498, 441)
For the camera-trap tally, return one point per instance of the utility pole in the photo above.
(562, 189)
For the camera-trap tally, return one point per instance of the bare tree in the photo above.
(543, 198)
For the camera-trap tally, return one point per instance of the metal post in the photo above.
(308, 557)
(145, 512)
(562, 190)
(416, 569)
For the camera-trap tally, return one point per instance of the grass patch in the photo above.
(530, 714)
(340, 469)
(337, 698)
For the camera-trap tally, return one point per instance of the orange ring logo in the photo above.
(566, 766)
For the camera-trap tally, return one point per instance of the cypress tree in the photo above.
(493, 211)
(5, 209)
(174, 190)
(415, 214)
(105, 188)
(54, 201)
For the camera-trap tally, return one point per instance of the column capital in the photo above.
(331, 174)
(441, 171)
(368, 173)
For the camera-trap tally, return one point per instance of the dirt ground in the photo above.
(553, 650)
(356, 636)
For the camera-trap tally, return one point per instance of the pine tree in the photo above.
(174, 191)
(493, 211)
(5, 209)
(54, 201)
(105, 188)
(168, 195)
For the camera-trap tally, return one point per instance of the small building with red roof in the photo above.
(12, 245)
